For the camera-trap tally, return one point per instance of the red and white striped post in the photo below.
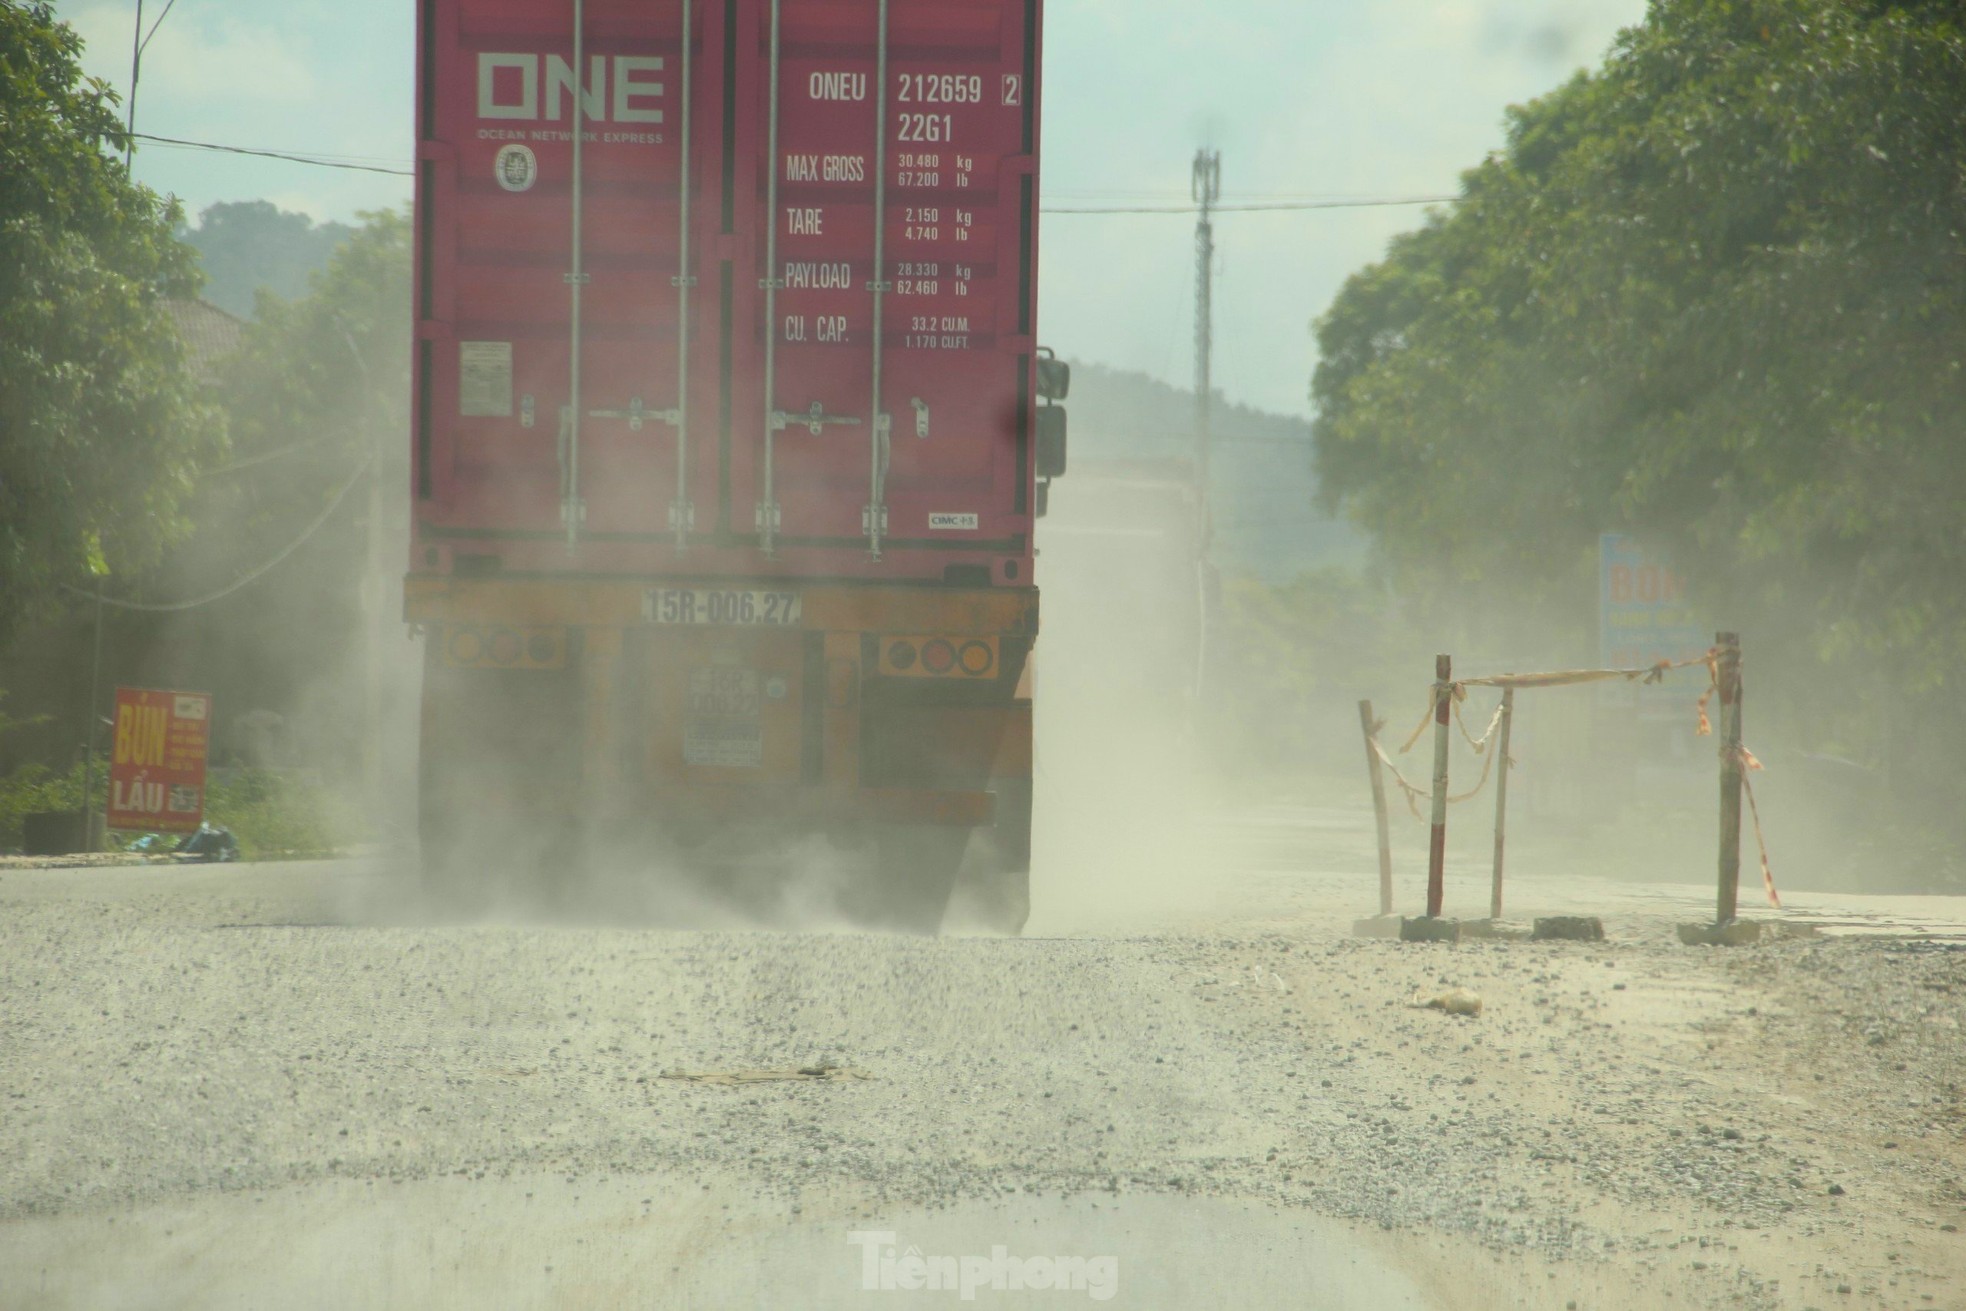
(1437, 847)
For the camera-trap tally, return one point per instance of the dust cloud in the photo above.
(1118, 835)
(1119, 775)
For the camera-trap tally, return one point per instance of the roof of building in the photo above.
(209, 333)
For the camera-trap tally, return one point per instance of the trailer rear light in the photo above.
(470, 647)
(938, 655)
(505, 647)
(467, 646)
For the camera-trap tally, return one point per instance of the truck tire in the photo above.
(908, 879)
(994, 889)
(451, 881)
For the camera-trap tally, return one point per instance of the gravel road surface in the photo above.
(284, 1085)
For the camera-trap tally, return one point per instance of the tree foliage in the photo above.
(316, 401)
(100, 425)
(1713, 293)
(323, 377)
(247, 245)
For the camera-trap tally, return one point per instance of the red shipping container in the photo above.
(663, 353)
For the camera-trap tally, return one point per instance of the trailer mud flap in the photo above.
(499, 765)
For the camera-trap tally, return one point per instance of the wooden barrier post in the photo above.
(1501, 765)
(1378, 808)
(1437, 846)
(1729, 680)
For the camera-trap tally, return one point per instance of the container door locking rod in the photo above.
(682, 515)
(572, 510)
(873, 520)
(767, 520)
(814, 418)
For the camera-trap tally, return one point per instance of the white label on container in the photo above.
(720, 718)
(948, 521)
(484, 379)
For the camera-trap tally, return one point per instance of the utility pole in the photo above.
(1206, 188)
(89, 749)
(139, 42)
(136, 69)
(1205, 185)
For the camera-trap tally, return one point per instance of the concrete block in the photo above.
(1569, 928)
(1494, 930)
(1425, 928)
(1379, 926)
(1734, 933)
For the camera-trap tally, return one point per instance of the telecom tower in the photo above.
(1206, 188)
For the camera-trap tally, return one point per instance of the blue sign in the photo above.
(1643, 618)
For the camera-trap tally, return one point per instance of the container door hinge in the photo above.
(573, 511)
(812, 418)
(682, 515)
(637, 414)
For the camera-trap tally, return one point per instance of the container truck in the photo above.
(730, 434)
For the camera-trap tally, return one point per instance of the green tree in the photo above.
(244, 246)
(100, 426)
(302, 532)
(1715, 294)
(318, 390)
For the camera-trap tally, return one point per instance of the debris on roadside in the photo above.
(1455, 1001)
(1734, 933)
(824, 1072)
(210, 844)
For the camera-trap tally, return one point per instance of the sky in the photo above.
(1305, 99)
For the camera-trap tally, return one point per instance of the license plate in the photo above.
(739, 606)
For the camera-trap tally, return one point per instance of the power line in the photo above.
(280, 453)
(1244, 207)
(1251, 206)
(316, 161)
(1165, 195)
(255, 575)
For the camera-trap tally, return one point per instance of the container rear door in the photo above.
(750, 443)
(947, 145)
(498, 245)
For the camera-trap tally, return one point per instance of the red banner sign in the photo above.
(157, 768)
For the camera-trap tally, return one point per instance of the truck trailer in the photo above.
(730, 435)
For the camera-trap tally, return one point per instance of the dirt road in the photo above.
(284, 1086)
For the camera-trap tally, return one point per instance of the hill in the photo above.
(1267, 522)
